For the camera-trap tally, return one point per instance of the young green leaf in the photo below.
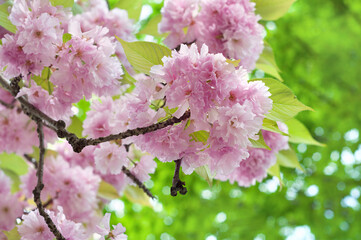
(143, 55)
(235, 63)
(275, 171)
(14, 163)
(260, 143)
(151, 27)
(76, 126)
(272, 126)
(199, 136)
(107, 191)
(133, 7)
(4, 20)
(272, 9)
(64, 3)
(137, 195)
(299, 133)
(15, 179)
(288, 158)
(267, 62)
(205, 173)
(13, 234)
(285, 103)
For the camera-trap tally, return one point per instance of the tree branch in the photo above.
(137, 181)
(40, 185)
(177, 184)
(79, 143)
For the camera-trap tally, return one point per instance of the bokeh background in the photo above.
(317, 47)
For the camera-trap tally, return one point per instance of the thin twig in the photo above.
(177, 184)
(137, 181)
(40, 185)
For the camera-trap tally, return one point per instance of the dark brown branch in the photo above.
(177, 48)
(40, 185)
(137, 181)
(177, 184)
(79, 143)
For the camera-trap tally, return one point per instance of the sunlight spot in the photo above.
(146, 11)
(352, 135)
(271, 26)
(211, 237)
(221, 217)
(319, 131)
(329, 214)
(330, 169)
(347, 157)
(302, 148)
(117, 206)
(206, 194)
(311, 191)
(335, 155)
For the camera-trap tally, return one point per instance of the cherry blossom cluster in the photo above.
(229, 27)
(223, 105)
(254, 168)
(210, 110)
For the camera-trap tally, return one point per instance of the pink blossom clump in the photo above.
(10, 206)
(72, 187)
(103, 229)
(110, 158)
(254, 168)
(38, 35)
(35, 228)
(176, 16)
(116, 20)
(222, 105)
(229, 27)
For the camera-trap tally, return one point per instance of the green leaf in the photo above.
(13, 234)
(299, 133)
(288, 158)
(267, 62)
(107, 191)
(66, 37)
(275, 171)
(14, 163)
(169, 113)
(272, 9)
(272, 126)
(83, 107)
(205, 173)
(133, 7)
(76, 9)
(235, 63)
(4, 18)
(151, 27)
(36, 152)
(260, 143)
(156, 104)
(199, 136)
(143, 55)
(76, 126)
(285, 103)
(64, 3)
(43, 80)
(137, 195)
(14, 178)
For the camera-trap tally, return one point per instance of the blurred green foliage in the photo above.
(317, 49)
